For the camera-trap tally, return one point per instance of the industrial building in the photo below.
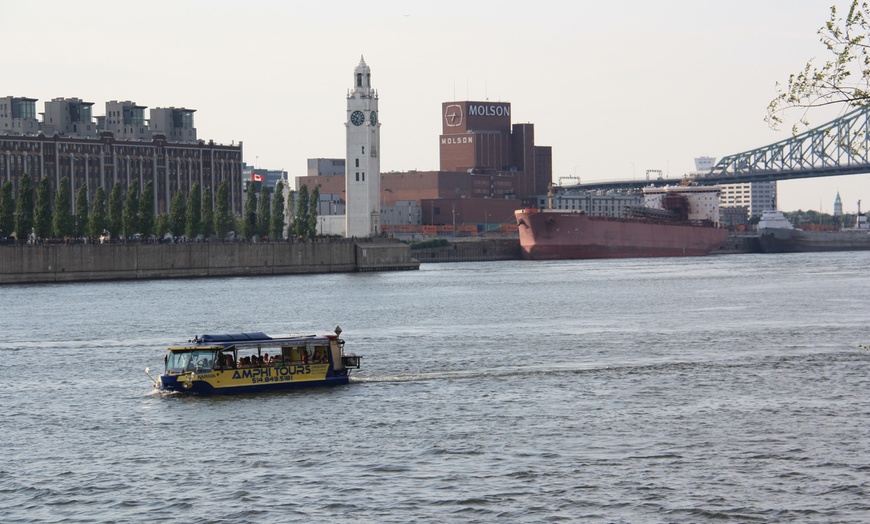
(748, 199)
(120, 146)
(489, 168)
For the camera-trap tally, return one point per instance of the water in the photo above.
(729, 388)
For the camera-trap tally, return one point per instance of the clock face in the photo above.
(373, 118)
(357, 118)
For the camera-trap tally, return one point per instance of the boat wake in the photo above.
(468, 375)
(640, 366)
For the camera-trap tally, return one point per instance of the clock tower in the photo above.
(363, 165)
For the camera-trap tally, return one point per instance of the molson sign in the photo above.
(461, 117)
(457, 139)
(478, 109)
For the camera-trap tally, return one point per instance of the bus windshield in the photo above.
(198, 360)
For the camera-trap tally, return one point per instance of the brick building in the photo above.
(488, 168)
(80, 148)
(478, 138)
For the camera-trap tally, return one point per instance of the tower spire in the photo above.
(362, 78)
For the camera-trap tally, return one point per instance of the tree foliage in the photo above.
(98, 221)
(80, 228)
(844, 78)
(264, 211)
(116, 210)
(223, 220)
(64, 224)
(7, 209)
(42, 216)
(207, 215)
(277, 222)
(161, 225)
(146, 209)
(24, 208)
(300, 225)
(290, 213)
(249, 224)
(193, 220)
(130, 224)
(177, 214)
(313, 201)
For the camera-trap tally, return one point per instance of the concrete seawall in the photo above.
(475, 250)
(93, 262)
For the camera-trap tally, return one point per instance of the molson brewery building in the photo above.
(489, 167)
(477, 137)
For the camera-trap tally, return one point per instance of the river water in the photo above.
(728, 388)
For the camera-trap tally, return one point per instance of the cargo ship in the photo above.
(777, 235)
(673, 222)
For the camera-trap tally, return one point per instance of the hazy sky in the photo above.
(615, 87)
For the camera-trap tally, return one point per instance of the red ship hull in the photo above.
(555, 235)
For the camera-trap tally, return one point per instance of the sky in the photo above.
(616, 88)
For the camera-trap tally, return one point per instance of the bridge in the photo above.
(840, 147)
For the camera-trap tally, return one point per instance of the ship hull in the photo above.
(798, 241)
(546, 235)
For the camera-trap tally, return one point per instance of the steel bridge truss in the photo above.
(840, 147)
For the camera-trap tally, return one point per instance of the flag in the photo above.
(257, 178)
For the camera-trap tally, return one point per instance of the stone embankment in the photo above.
(93, 262)
(472, 250)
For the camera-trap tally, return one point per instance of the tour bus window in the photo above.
(225, 361)
(296, 355)
(320, 356)
(178, 361)
(198, 361)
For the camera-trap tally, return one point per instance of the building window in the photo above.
(357, 177)
(363, 149)
(357, 162)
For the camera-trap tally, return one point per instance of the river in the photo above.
(729, 388)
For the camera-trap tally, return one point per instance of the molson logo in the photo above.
(489, 110)
(453, 115)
